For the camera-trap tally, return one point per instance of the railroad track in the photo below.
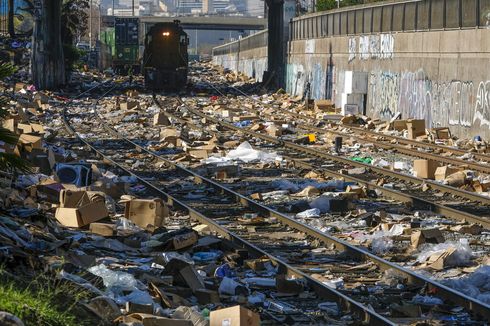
(230, 211)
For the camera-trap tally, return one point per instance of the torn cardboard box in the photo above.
(426, 236)
(80, 208)
(146, 213)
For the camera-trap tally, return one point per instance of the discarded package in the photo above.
(234, 316)
(80, 208)
(446, 254)
(146, 213)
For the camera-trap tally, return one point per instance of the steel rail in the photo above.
(365, 314)
(478, 308)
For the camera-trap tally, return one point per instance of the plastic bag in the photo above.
(309, 213)
(121, 280)
(229, 286)
(206, 257)
(427, 300)
(461, 257)
(245, 152)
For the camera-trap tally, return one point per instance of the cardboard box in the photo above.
(161, 119)
(146, 212)
(426, 236)
(415, 128)
(425, 169)
(234, 316)
(205, 296)
(274, 131)
(103, 229)
(77, 209)
(191, 278)
(184, 240)
(10, 124)
(324, 105)
(30, 142)
(399, 125)
(128, 105)
(151, 320)
(443, 172)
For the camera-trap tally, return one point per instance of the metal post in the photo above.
(90, 24)
(113, 7)
(133, 8)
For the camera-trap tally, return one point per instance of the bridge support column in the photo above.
(274, 75)
(279, 14)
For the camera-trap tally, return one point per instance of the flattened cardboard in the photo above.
(234, 316)
(146, 212)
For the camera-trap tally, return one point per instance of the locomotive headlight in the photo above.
(166, 34)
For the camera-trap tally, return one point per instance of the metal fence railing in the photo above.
(4, 21)
(410, 15)
(257, 40)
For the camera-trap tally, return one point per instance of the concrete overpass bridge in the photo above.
(237, 23)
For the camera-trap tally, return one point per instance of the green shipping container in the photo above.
(127, 54)
(108, 38)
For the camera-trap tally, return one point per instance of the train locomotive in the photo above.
(165, 60)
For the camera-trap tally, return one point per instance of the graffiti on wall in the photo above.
(482, 108)
(441, 104)
(352, 48)
(379, 47)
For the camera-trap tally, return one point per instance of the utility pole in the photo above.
(90, 24)
(11, 13)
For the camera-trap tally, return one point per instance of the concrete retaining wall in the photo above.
(441, 76)
(252, 63)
